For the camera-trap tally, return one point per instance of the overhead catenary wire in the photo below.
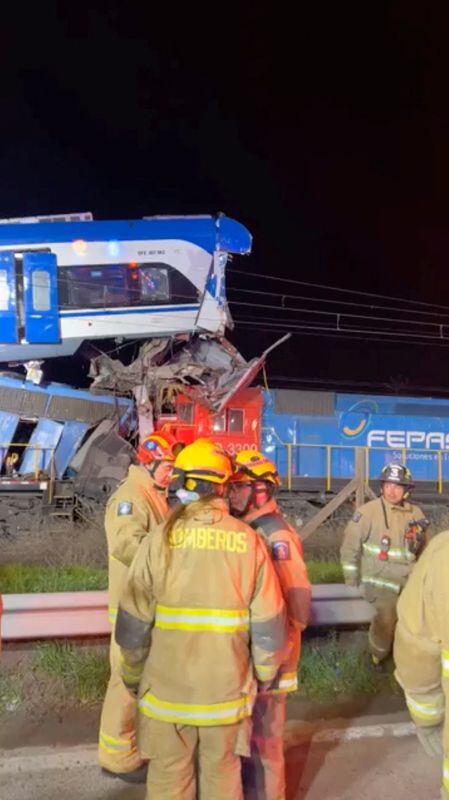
(334, 313)
(284, 295)
(341, 326)
(295, 325)
(346, 334)
(341, 289)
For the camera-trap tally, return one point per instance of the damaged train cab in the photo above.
(58, 446)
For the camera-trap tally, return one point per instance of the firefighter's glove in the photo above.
(431, 740)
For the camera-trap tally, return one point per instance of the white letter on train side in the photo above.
(436, 438)
(396, 438)
(375, 436)
(415, 438)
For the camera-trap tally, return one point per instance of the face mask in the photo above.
(186, 497)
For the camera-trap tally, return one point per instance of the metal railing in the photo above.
(328, 450)
(72, 614)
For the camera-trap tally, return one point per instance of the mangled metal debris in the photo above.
(210, 370)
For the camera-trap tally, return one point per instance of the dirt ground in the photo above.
(86, 544)
(78, 544)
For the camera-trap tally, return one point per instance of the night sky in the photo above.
(328, 136)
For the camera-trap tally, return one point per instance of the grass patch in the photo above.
(324, 571)
(22, 578)
(329, 669)
(10, 691)
(82, 672)
(62, 674)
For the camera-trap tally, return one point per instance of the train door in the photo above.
(29, 298)
(8, 326)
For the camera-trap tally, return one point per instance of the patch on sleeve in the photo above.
(124, 508)
(280, 551)
(356, 516)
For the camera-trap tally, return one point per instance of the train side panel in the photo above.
(324, 428)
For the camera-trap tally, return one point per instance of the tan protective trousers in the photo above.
(180, 753)
(445, 766)
(264, 773)
(117, 749)
(383, 624)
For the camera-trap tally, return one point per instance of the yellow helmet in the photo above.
(251, 465)
(205, 460)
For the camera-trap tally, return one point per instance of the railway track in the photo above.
(28, 617)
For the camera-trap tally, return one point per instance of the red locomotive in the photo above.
(237, 427)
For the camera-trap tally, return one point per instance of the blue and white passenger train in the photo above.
(66, 281)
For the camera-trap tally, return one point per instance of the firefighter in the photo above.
(251, 493)
(201, 618)
(137, 506)
(380, 546)
(421, 650)
(10, 465)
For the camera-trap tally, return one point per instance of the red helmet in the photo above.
(158, 447)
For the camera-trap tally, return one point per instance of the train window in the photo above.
(159, 283)
(235, 420)
(4, 291)
(40, 288)
(94, 286)
(154, 287)
(109, 285)
(182, 290)
(185, 413)
(219, 422)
